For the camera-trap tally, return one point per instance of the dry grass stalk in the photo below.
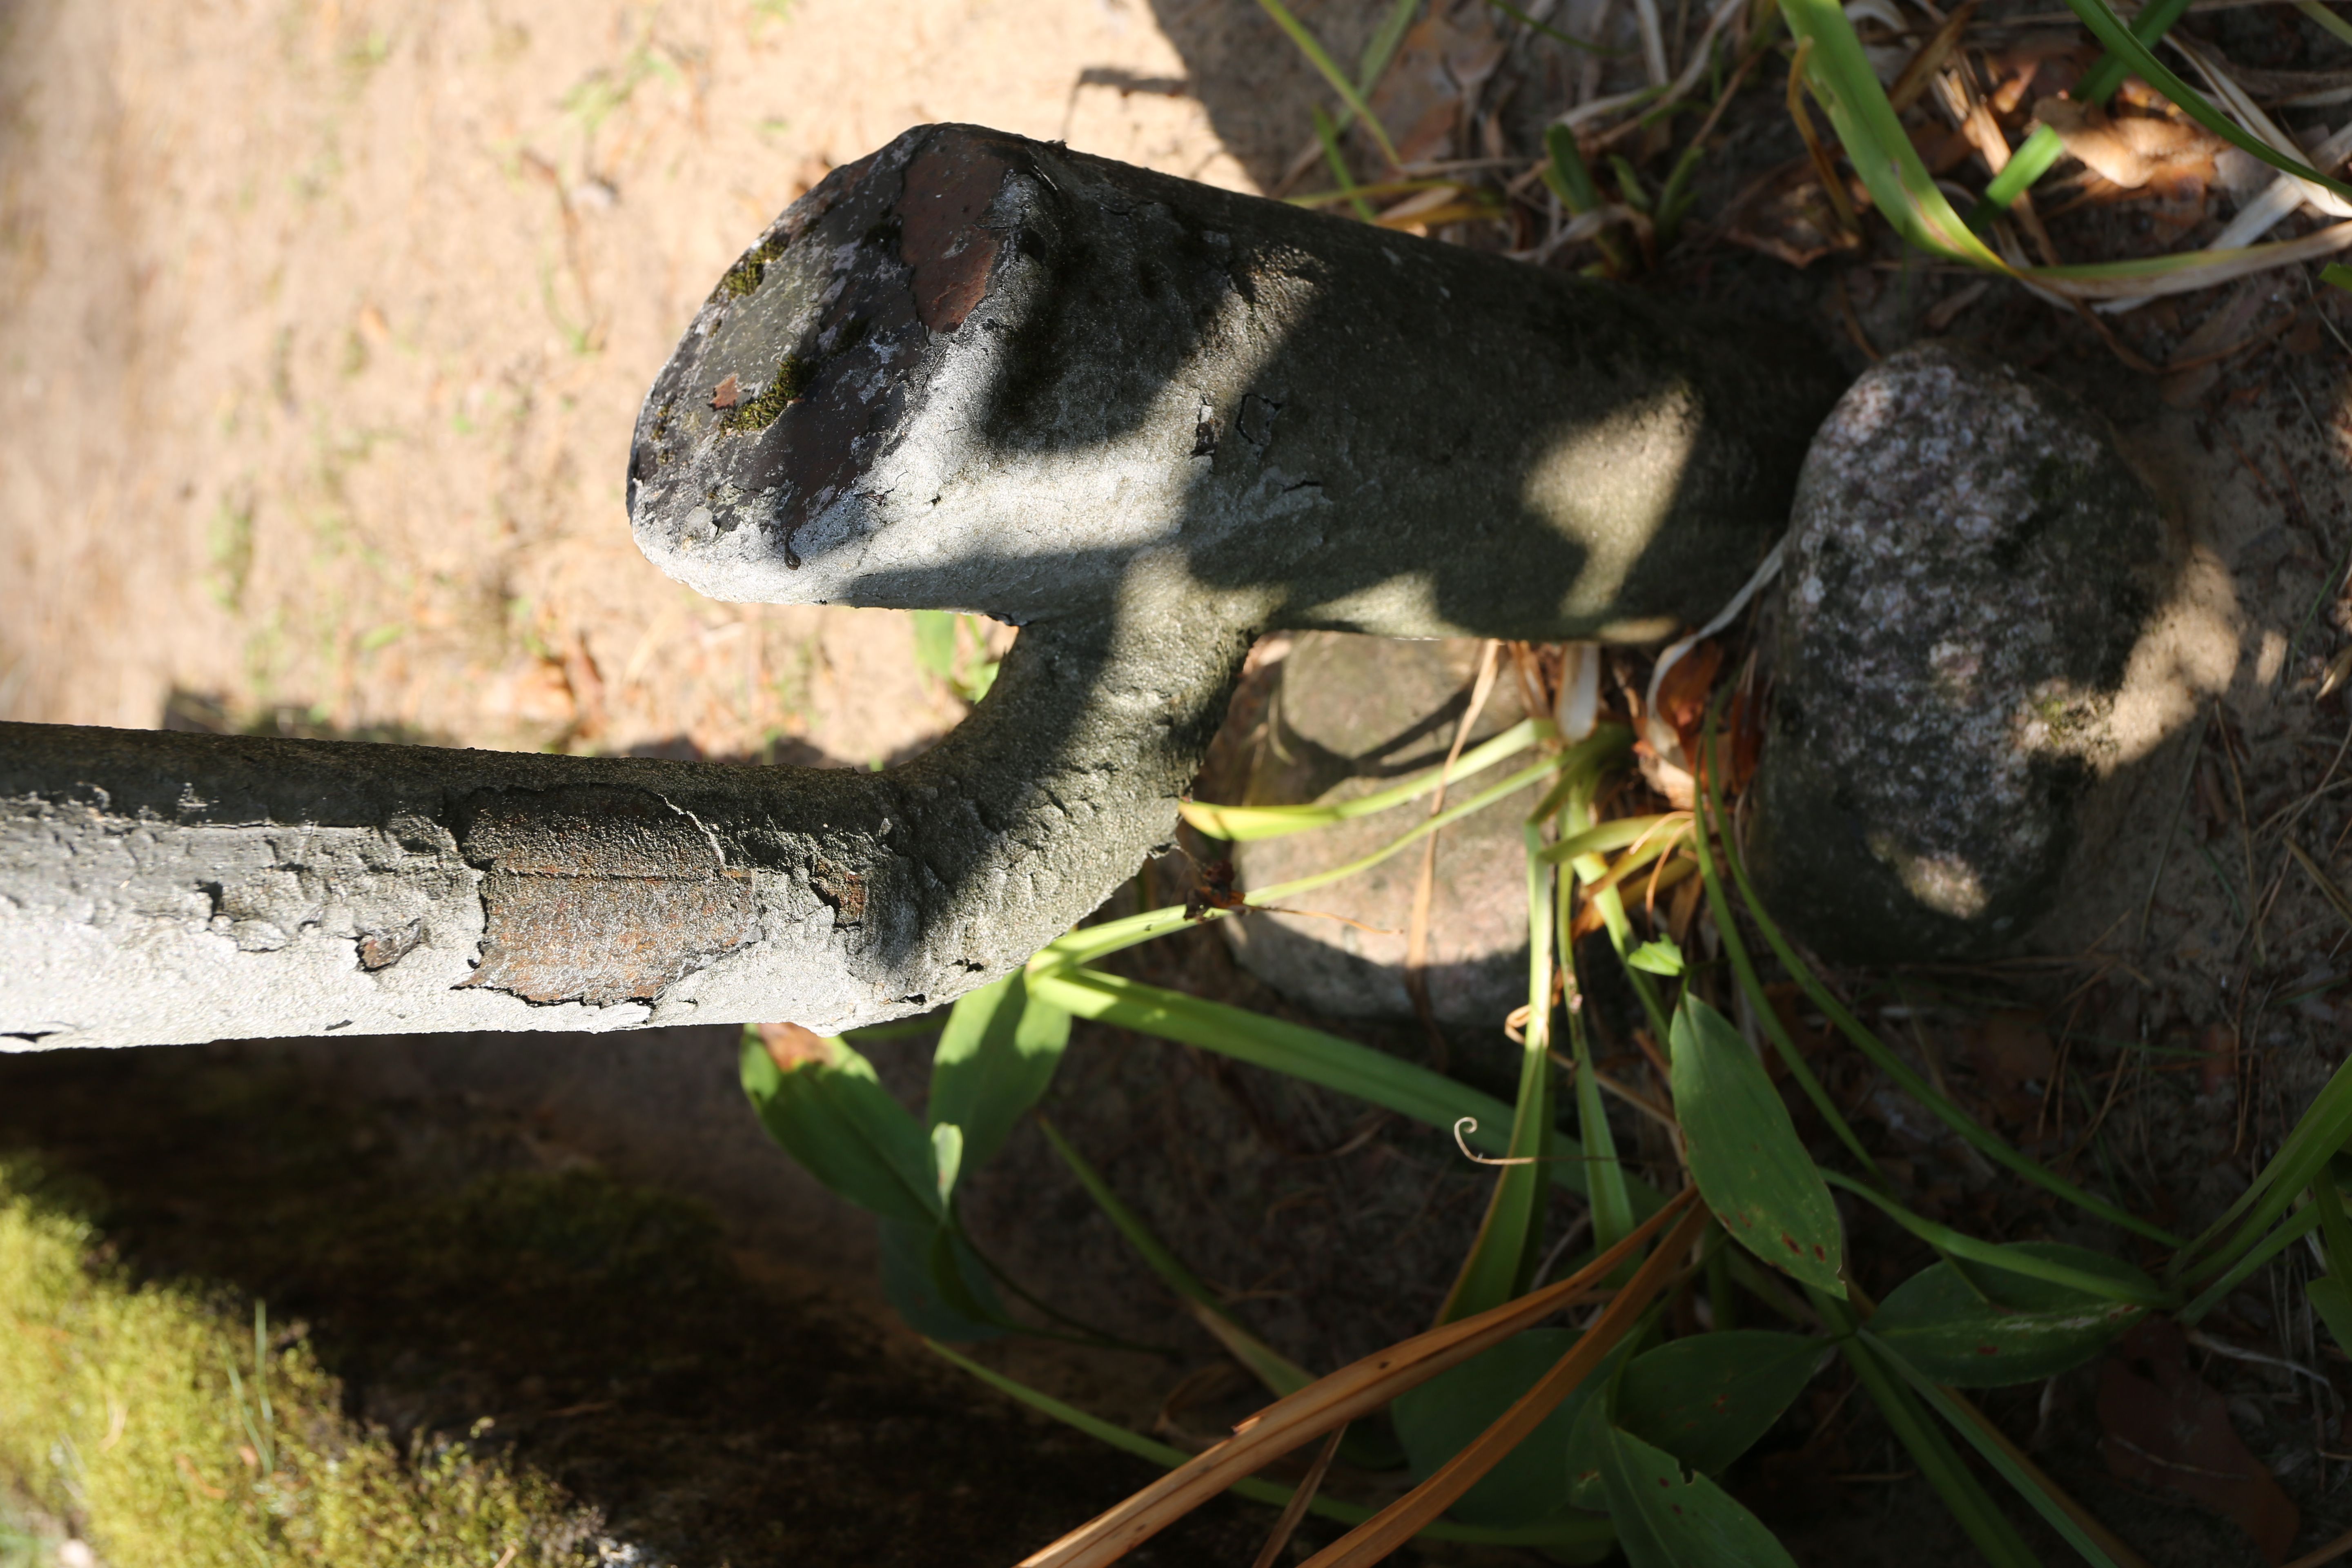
(1399, 1523)
(1351, 1392)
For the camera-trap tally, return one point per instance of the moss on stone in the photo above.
(743, 277)
(137, 1412)
(787, 386)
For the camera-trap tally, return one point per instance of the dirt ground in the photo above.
(323, 328)
(326, 325)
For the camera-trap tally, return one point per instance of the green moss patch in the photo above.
(787, 386)
(148, 1416)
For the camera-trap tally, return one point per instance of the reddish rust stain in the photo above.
(948, 189)
(1821, 1253)
(598, 894)
(1791, 1243)
(1987, 1350)
(726, 395)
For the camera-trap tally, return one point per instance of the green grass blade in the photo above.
(1383, 47)
(1327, 1060)
(1091, 942)
(1277, 1371)
(1841, 79)
(1970, 1507)
(1993, 1453)
(1586, 45)
(2034, 157)
(1249, 824)
(1320, 58)
(2322, 1130)
(1992, 1255)
(1557, 1534)
(2278, 1241)
(1502, 789)
(2335, 1230)
(1336, 157)
(2109, 29)
(1617, 833)
(1743, 970)
(1502, 1253)
(2045, 146)
(1977, 1136)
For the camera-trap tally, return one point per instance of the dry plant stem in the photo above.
(1395, 1525)
(1334, 1401)
(1295, 1509)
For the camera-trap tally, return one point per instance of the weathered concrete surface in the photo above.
(158, 887)
(1144, 418)
(1970, 566)
(1344, 716)
(986, 372)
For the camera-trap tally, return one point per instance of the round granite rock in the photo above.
(1969, 565)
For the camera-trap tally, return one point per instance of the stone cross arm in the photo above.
(1142, 419)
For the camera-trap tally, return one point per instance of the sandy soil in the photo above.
(325, 325)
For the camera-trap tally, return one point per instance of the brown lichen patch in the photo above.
(599, 895)
(948, 188)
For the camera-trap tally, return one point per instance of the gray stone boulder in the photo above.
(1340, 716)
(1969, 566)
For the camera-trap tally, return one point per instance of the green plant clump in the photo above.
(175, 1432)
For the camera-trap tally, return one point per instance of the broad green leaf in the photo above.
(1745, 1154)
(2031, 1329)
(2336, 272)
(930, 1275)
(831, 1114)
(1665, 1519)
(1707, 1398)
(995, 1059)
(1440, 1418)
